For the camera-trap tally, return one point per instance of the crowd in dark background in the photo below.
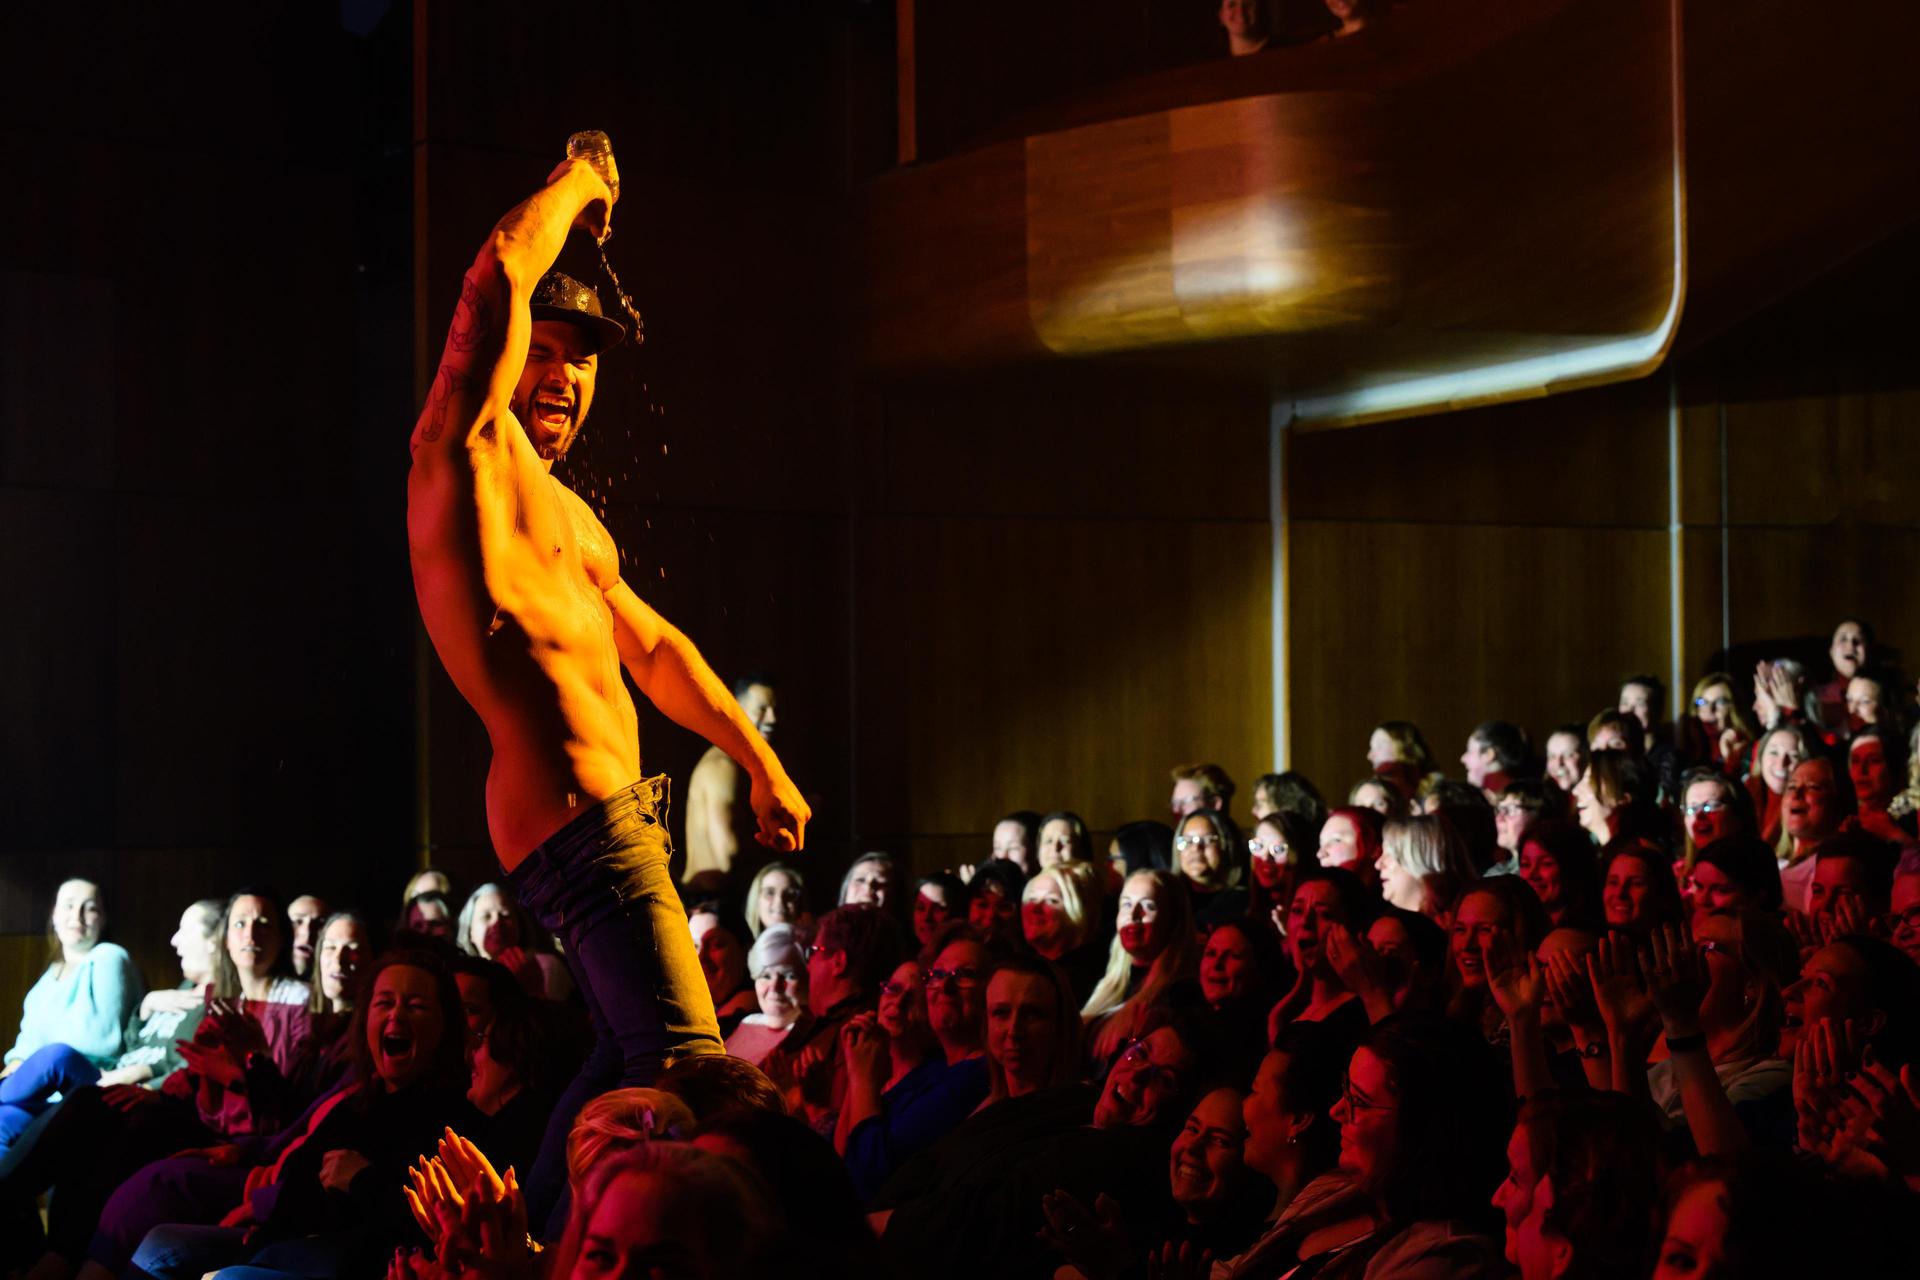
(1642, 1001)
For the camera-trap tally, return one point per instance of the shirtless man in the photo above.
(519, 585)
(718, 818)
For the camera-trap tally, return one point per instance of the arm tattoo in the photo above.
(472, 320)
(445, 384)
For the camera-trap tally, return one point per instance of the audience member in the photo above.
(993, 902)
(1142, 846)
(1330, 906)
(1522, 803)
(305, 915)
(1735, 874)
(779, 968)
(1016, 839)
(428, 880)
(720, 943)
(869, 881)
(1423, 865)
(777, 895)
(1064, 838)
(1905, 903)
(1637, 890)
(1350, 840)
(1212, 860)
(1816, 805)
(1060, 912)
(1200, 786)
(1155, 946)
(938, 900)
(85, 996)
(429, 915)
(1289, 792)
(1781, 750)
(1496, 754)
(1877, 768)
(1558, 863)
(1399, 756)
(1715, 732)
(493, 924)
(1567, 757)
(1033, 1030)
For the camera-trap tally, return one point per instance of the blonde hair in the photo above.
(1079, 896)
(1179, 959)
(754, 926)
(617, 1121)
(1427, 846)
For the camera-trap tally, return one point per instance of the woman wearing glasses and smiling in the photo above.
(1211, 856)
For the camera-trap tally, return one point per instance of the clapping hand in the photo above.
(1677, 979)
(1354, 961)
(1517, 983)
(1614, 971)
(1094, 1241)
(1571, 991)
(1825, 1061)
(477, 1218)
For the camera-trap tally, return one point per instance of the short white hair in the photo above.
(776, 945)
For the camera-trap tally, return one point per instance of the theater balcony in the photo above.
(1467, 203)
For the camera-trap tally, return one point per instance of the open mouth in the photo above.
(396, 1045)
(552, 413)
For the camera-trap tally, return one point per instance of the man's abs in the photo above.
(528, 641)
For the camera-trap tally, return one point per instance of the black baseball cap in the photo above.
(559, 296)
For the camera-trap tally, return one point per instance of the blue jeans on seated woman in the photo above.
(49, 1073)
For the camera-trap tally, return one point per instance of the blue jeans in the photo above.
(182, 1252)
(600, 884)
(49, 1070)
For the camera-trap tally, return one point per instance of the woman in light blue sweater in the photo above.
(86, 996)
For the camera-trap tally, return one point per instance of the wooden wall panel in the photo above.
(1451, 624)
(1020, 663)
(1590, 458)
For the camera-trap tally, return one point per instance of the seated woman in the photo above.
(1731, 1013)
(1423, 865)
(1743, 1217)
(993, 903)
(718, 940)
(1557, 862)
(938, 901)
(428, 914)
(1904, 903)
(1616, 797)
(1398, 964)
(1325, 898)
(1715, 732)
(1063, 838)
(1279, 847)
(891, 1114)
(27, 1091)
(870, 880)
(1350, 840)
(1781, 750)
(1499, 909)
(1016, 839)
(427, 880)
(1732, 875)
(660, 1200)
(1141, 846)
(1580, 1196)
(1241, 971)
(1060, 914)
(84, 998)
(972, 1204)
(1290, 792)
(1877, 768)
(1210, 854)
(1156, 946)
(1421, 1123)
(1033, 1030)
(493, 924)
(1712, 807)
(1637, 890)
(325, 1198)
(1818, 803)
(776, 895)
(1524, 802)
(779, 970)
(1400, 758)
(1380, 796)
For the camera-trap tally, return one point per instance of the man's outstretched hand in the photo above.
(782, 811)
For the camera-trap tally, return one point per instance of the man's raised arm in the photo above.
(670, 671)
(487, 342)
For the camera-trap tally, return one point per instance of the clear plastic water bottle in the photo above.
(596, 148)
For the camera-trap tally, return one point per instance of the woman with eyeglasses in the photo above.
(1712, 807)
(1326, 900)
(901, 1100)
(1279, 846)
(1715, 732)
(1208, 851)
